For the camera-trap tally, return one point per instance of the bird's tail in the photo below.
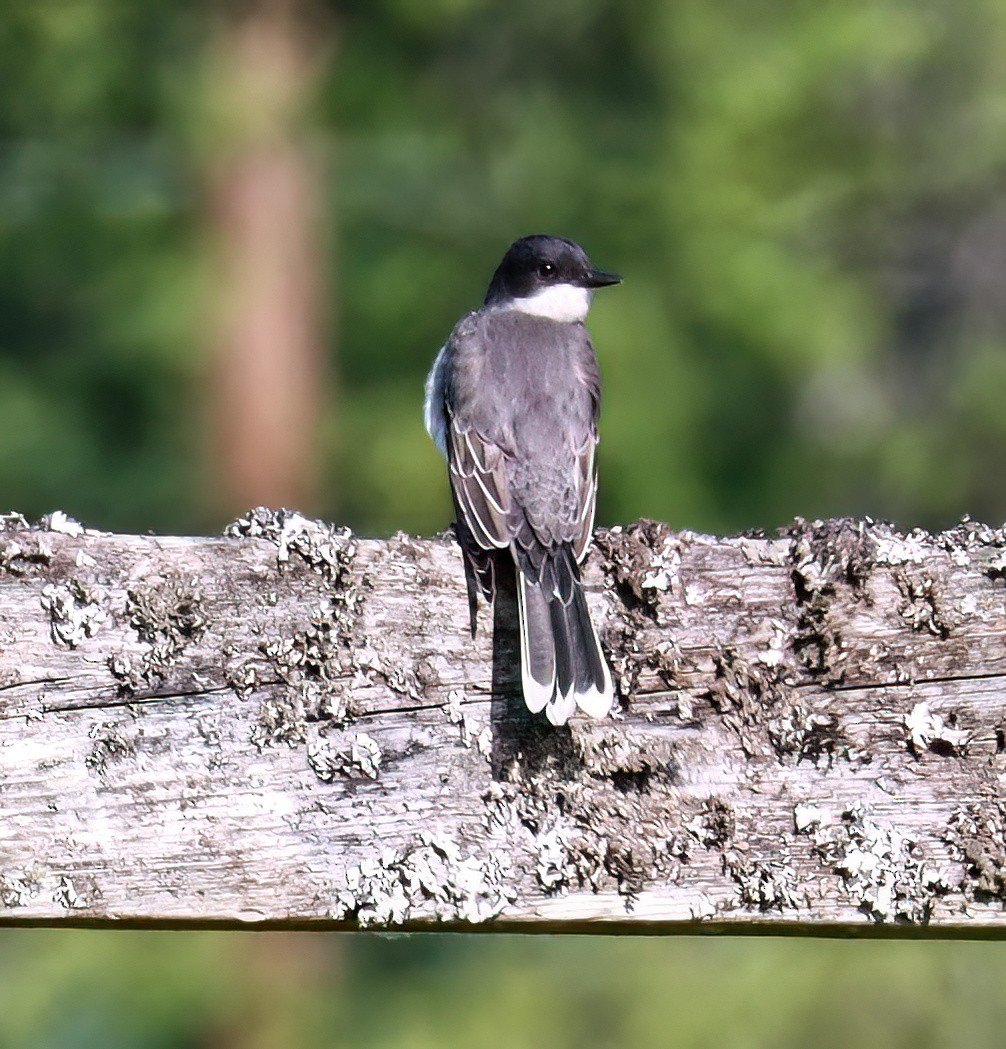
(562, 665)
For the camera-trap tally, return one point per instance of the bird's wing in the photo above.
(480, 463)
(478, 477)
(589, 375)
(586, 497)
(482, 492)
(477, 462)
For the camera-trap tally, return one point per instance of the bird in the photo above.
(512, 403)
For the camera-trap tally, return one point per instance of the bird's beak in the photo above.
(600, 279)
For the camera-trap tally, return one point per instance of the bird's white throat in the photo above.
(560, 302)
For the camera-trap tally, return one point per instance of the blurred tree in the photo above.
(266, 227)
(97, 282)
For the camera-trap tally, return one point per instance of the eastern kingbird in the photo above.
(512, 402)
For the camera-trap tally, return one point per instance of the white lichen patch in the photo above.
(923, 607)
(975, 833)
(927, 728)
(84, 560)
(813, 574)
(28, 887)
(431, 875)
(764, 551)
(373, 664)
(774, 638)
(469, 728)
(892, 549)
(454, 711)
(965, 542)
(886, 874)
(622, 751)
(996, 565)
(74, 612)
(58, 521)
(243, 678)
(702, 908)
(561, 852)
(12, 521)
(664, 566)
(111, 743)
(25, 553)
(500, 811)
(19, 889)
(68, 896)
(806, 817)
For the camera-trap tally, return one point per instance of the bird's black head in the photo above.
(548, 276)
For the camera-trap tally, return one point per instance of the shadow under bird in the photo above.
(512, 402)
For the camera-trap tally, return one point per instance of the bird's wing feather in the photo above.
(478, 476)
(586, 463)
(586, 498)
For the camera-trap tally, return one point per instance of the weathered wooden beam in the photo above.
(289, 725)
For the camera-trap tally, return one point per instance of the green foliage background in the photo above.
(807, 203)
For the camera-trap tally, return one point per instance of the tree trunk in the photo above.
(267, 227)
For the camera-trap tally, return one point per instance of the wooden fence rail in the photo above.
(291, 726)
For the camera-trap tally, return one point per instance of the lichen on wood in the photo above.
(291, 725)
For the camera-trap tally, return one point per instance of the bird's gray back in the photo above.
(531, 387)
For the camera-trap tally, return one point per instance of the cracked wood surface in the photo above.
(290, 725)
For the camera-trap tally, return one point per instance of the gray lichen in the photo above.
(68, 895)
(348, 754)
(643, 560)
(831, 560)
(280, 720)
(714, 825)
(922, 606)
(977, 835)
(552, 866)
(14, 892)
(110, 744)
(642, 563)
(765, 886)
(313, 665)
(322, 546)
(19, 889)
(614, 824)
(22, 552)
(167, 615)
(311, 655)
(758, 702)
(12, 521)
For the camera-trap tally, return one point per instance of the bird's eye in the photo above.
(547, 271)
